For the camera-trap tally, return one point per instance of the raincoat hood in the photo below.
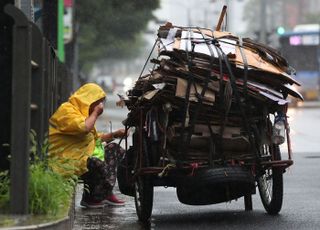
(85, 96)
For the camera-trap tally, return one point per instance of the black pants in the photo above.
(101, 176)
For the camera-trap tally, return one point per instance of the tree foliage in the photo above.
(313, 18)
(111, 28)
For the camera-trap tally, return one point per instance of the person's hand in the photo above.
(98, 109)
(119, 133)
(95, 110)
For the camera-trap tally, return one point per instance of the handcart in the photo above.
(208, 120)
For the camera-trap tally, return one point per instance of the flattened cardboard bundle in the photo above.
(211, 78)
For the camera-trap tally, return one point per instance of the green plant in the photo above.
(49, 192)
(4, 190)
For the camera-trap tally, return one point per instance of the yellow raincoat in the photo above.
(70, 144)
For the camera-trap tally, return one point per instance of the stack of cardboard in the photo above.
(212, 77)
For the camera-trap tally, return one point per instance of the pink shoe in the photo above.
(113, 200)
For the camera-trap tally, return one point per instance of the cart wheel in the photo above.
(270, 184)
(143, 186)
(143, 198)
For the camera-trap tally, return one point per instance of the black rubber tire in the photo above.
(221, 174)
(215, 185)
(270, 186)
(143, 198)
(124, 175)
(125, 184)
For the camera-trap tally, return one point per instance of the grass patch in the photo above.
(50, 194)
(4, 190)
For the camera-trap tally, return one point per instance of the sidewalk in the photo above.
(108, 217)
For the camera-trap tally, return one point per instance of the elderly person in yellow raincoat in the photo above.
(75, 146)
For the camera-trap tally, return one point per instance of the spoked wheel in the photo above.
(143, 198)
(143, 187)
(270, 183)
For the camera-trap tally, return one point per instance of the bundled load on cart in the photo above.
(208, 119)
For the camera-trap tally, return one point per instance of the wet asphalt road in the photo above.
(301, 205)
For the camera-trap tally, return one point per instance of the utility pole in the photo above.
(263, 20)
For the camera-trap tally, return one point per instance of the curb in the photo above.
(65, 223)
(60, 224)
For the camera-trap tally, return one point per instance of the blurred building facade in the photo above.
(297, 12)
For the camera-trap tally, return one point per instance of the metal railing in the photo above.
(40, 83)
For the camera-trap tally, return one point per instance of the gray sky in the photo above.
(203, 13)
